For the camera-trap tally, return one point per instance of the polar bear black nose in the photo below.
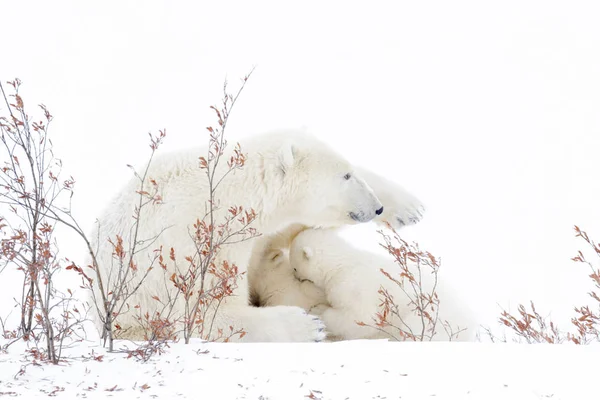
(379, 212)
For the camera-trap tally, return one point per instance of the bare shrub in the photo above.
(586, 319)
(202, 283)
(146, 350)
(531, 327)
(420, 291)
(31, 190)
(39, 200)
(116, 290)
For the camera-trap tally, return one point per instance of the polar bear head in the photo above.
(273, 283)
(321, 187)
(315, 253)
(268, 267)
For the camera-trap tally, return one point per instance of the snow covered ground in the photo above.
(342, 370)
(487, 110)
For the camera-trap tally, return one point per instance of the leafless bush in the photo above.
(146, 350)
(39, 201)
(116, 290)
(420, 290)
(587, 320)
(531, 327)
(31, 190)
(201, 282)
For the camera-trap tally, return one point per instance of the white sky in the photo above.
(488, 112)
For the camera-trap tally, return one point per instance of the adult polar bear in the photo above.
(289, 178)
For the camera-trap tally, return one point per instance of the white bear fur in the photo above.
(351, 279)
(272, 282)
(271, 278)
(289, 178)
(275, 284)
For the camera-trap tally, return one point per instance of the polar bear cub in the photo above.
(273, 283)
(271, 278)
(351, 279)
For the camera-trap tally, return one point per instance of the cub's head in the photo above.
(313, 254)
(268, 273)
(275, 259)
(268, 264)
(322, 187)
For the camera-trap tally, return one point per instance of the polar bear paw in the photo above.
(404, 211)
(290, 324)
(303, 327)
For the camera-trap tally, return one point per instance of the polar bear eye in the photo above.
(347, 176)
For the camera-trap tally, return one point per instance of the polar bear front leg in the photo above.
(270, 324)
(344, 323)
(281, 324)
(400, 207)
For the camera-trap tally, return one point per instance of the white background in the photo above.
(489, 111)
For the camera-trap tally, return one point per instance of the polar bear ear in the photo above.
(274, 255)
(287, 156)
(307, 252)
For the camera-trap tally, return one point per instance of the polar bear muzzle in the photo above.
(364, 217)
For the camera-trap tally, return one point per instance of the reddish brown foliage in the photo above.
(423, 301)
(531, 327)
(33, 186)
(33, 191)
(204, 282)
